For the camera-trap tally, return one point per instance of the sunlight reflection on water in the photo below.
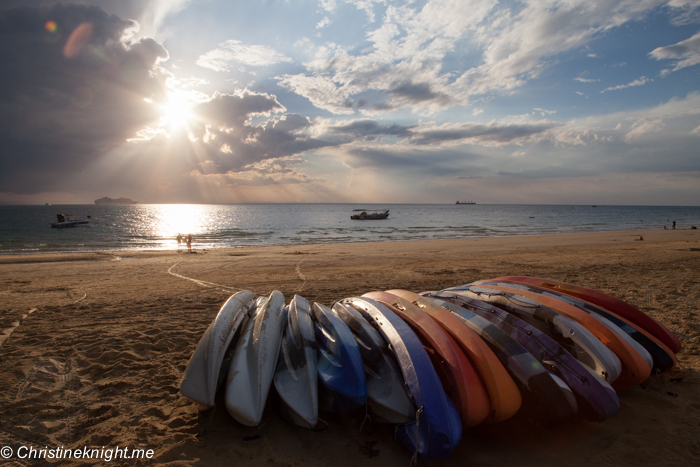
(26, 229)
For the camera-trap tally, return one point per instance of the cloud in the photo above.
(221, 59)
(476, 133)
(586, 80)
(684, 12)
(323, 23)
(60, 114)
(637, 82)
(685, 53)
(431, 134)
(320, 90)
(271, 171)
(230, 140)
(411, 60)
(370, 129)
(643, 127)
(149, 16)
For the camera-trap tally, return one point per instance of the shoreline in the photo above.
(99, 360)
(99, 255)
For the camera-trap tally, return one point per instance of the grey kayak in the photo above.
(254, 361)
(296, 376)
(202, 375)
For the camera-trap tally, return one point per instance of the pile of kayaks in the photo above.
(431, 363)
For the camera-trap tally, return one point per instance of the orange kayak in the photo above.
(610, 303)
(458, 377)
(503, 393)
(635, 369)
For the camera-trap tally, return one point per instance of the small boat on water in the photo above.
(465, 202)
(369, 214)
(66, 220)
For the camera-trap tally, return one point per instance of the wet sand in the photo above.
(99, 359)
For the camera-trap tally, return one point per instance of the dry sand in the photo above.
(98, 361)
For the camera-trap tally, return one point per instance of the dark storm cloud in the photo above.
(57, 114)
(129, 9)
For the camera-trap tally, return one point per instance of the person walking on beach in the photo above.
(189, 243)
(674, 225)
(179, 241)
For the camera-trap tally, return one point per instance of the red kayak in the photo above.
(615, 305)
(459, 378)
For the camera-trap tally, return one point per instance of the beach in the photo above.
(98, 360)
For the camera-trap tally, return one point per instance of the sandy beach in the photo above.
(98, 360)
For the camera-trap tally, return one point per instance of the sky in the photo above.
(350, 101)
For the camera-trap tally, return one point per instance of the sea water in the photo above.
(27, 229)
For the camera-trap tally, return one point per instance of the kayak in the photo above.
(662, 358)
(459, 378)
(608, 302)
(504, 395)
(387, 398)
(545, 394)
(207, 369)
(254, 361)
(596, 399)
(437, 429)
(340, 370)
(296, 376)
(578, 340)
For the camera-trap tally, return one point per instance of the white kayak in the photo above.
(202, 375)
(296, 376)
(254, 361)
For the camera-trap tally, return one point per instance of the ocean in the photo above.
(26, 229)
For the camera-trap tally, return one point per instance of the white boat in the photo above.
(66, 220)
(296, 376)
(203, 372)
(254, 361)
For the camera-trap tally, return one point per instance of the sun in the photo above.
(177, 111)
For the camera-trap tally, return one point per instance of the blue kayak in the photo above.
(437, 428)
(340, 370)
(387, 398)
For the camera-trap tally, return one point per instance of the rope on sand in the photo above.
(81, 298)
(5, 334)
(301, 276)
(201, 283)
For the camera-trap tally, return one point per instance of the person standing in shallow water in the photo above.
(674, 225)
(189, 243)
(179, 241)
